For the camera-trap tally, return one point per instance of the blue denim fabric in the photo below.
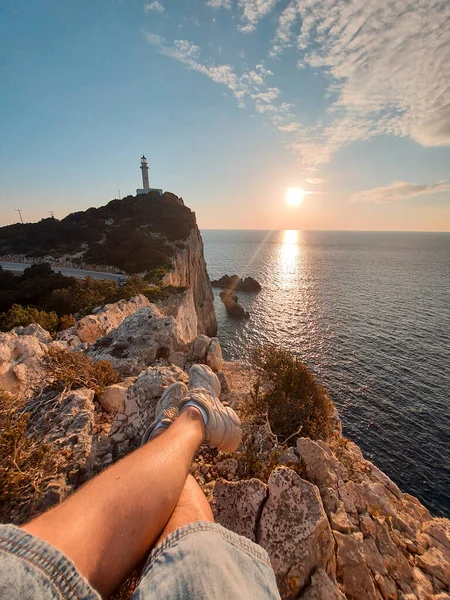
(31, 569)
(197, 562)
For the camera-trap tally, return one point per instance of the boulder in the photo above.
(214, 358)
(237, 505)
(199, 349)
(181, 307)
(114, 398)
(142, 338)
(21, 369)
(294, 530)
(322, 467)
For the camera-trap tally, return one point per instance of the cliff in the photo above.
(333, 524)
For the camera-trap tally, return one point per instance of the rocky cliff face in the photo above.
(189, 269)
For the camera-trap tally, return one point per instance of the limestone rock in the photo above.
(322, 467)
(235, 283)
(231, 301)
(139, 341)
(295, 532)
(189, 269)
(322, 588)
(113, 399)
(199, 349)
(21, 363)
(214, 357)
(237, 505)
(141, 400)
(36, 331)
(182, 308)
(92, 327)
(357, 581)
(434, 562)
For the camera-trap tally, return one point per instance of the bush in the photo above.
(287, 390)
(72, 370)
(25, 315)
(26, 464)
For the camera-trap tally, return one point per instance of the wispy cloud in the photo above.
(251, 84)
(388, 67)
(252, 11)
(284, 33)
(399, 191)
(219, 4)
(315, 180)
(154, 6)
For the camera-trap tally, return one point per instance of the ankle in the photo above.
(194, 413)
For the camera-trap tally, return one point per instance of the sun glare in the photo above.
(294, 196)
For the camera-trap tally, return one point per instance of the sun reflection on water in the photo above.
(289, 259)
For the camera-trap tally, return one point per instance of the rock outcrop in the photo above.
(189, 270)
(231, 301)
(235, 283)
(334, 525)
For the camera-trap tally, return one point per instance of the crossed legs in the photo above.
(110, 524)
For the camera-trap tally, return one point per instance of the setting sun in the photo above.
(294, 196)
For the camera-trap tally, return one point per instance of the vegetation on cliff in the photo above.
(50, 299)
(131, 234)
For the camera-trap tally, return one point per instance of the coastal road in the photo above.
(19, 268)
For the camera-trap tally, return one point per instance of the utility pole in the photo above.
(119, 195)
(19, 210)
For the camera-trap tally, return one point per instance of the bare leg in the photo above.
(108, 525)
(192, 506)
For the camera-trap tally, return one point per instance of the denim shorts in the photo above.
(197, 562)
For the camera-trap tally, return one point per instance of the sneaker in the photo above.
(202, 377)
(222, 425)
(166, 410)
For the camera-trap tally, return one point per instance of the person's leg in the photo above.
(192, 506)
(108, 525)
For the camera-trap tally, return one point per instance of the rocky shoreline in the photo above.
(334, 525)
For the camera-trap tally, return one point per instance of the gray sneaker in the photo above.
(222, 425)
(166, 410)
(202, 377)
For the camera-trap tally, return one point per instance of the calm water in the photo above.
(370, 314)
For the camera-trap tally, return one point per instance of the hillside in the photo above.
(134, 234)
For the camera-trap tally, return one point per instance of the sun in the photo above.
(294, 196)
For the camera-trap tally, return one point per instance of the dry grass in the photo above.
(26, 464)
(290, 395)
(72, 370)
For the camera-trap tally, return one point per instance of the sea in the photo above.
(369, 313)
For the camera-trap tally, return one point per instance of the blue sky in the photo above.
(232, 101)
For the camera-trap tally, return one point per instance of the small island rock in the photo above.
(235, 283)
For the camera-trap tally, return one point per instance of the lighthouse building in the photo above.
(146, 179)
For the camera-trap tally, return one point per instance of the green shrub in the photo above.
(25, 315)
(287, 390)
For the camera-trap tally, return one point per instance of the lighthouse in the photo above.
(146, 179)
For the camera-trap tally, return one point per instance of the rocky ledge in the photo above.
(334, 525)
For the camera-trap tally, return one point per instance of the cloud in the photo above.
(399, 191)
(388, 66)
(252, 11)
(284, 34)
(315, 181)
(250, 84)
(219, 4)
(154, 6)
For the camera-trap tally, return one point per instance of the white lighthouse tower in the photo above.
(145, 179)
